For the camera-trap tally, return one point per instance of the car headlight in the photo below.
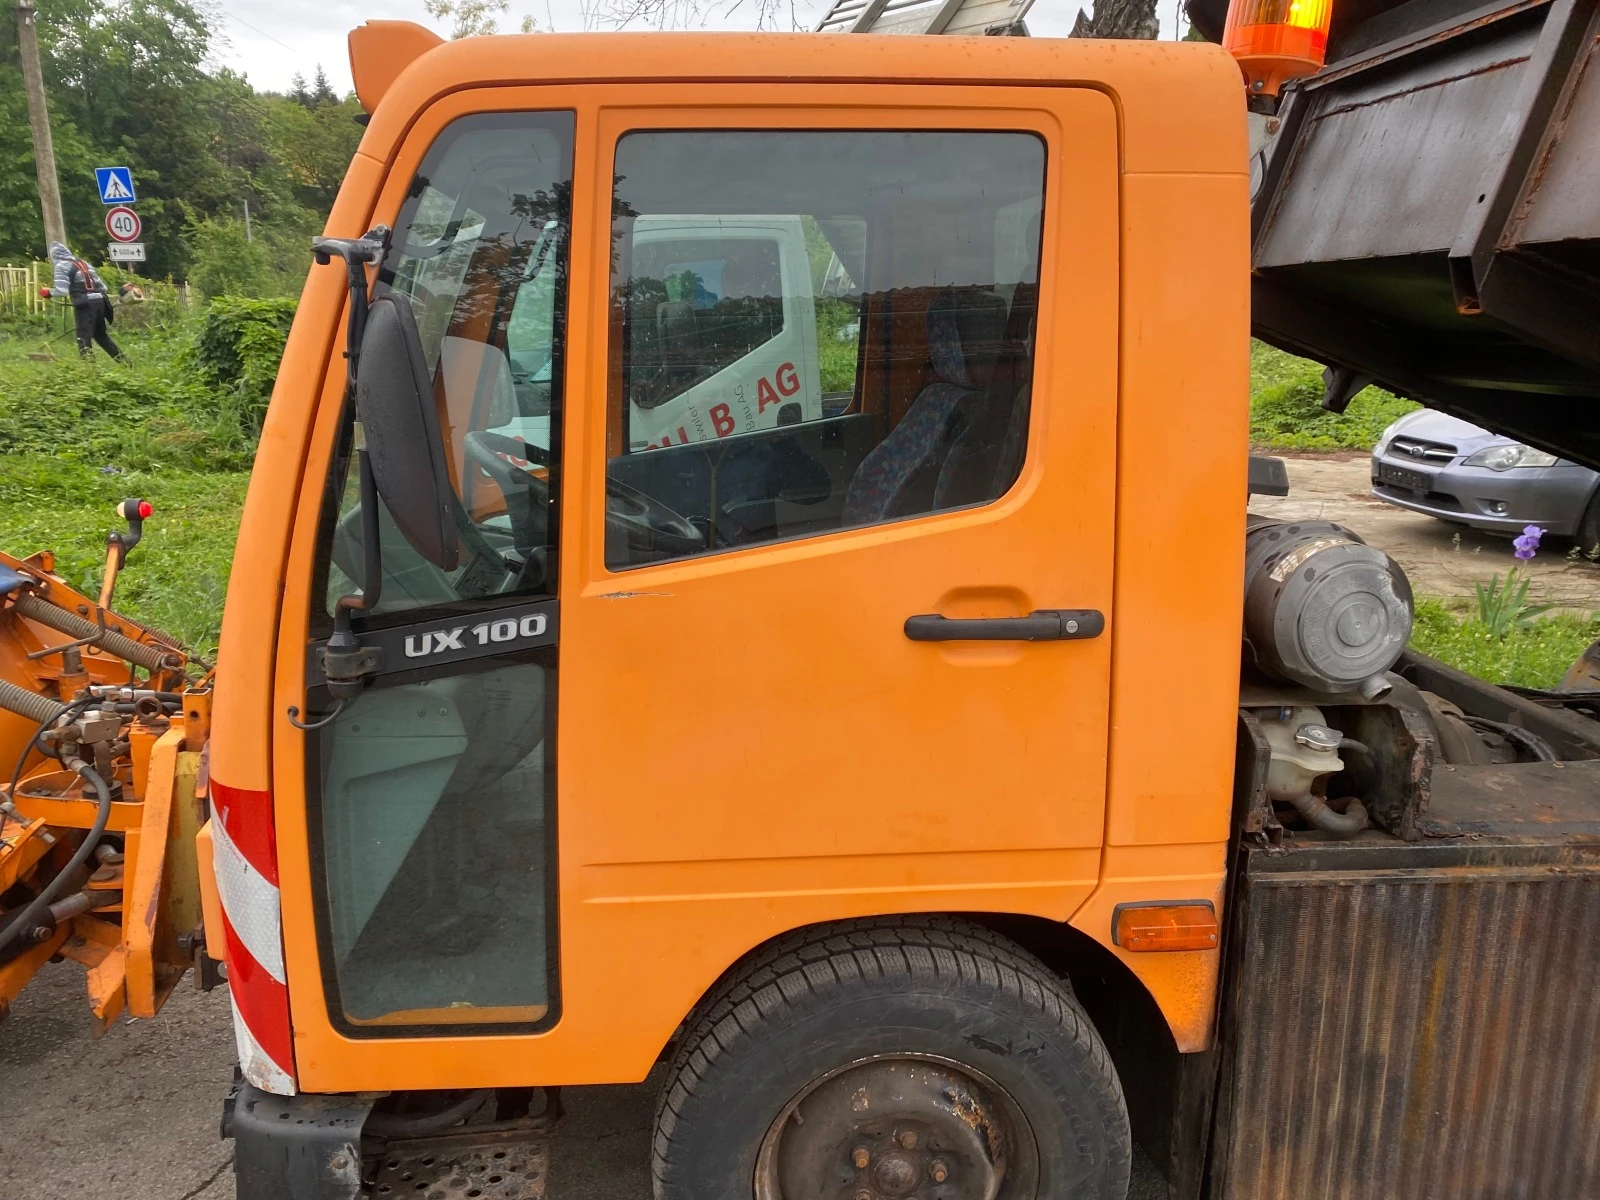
(1503, 458)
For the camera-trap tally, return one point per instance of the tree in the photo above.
(472, 18)
(689, 14)
(321, 90)
(1119, 19)
(297, 89)
(312, 147)
(226, 262)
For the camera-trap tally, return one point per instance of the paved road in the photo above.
(133, 1116)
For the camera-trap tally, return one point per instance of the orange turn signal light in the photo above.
(1275, 41)
(1166, 925)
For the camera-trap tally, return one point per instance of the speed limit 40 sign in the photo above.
(123, 224)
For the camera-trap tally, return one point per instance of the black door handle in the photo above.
(1041, 625)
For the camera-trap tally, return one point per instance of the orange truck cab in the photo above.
(744, 572)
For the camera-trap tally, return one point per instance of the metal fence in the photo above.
(19, 287)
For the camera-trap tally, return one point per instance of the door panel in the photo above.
(760, 742)
(747, 740)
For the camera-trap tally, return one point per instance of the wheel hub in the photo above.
(888, 1129)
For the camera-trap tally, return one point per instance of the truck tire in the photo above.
(892, 1059)
(1588, 538)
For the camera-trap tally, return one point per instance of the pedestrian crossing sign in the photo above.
(116, 185)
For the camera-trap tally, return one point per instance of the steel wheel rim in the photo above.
(899, 1127)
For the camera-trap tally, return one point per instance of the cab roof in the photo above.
(1180, 105)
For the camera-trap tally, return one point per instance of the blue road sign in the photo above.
(116, 185)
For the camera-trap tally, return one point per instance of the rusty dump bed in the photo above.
(1416, 1011)
(1427, 211)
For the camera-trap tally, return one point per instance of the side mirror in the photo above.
(394, 397)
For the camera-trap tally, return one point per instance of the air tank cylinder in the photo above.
(1322, 608)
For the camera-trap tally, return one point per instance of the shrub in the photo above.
(226, 262)
(237, 351)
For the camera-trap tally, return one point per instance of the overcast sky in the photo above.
(270, 40)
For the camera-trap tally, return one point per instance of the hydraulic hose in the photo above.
(1316, 810)
(152, 658)
(26, 920)
(1526, 738)
(398, 1125)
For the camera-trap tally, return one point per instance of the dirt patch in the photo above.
(1441, 559)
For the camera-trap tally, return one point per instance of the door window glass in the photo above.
(700, 305)
(818, 330)
(480, 253)
(433, 813)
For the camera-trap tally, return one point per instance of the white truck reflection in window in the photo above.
(721, 328)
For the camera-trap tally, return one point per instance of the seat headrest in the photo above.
(966, 332)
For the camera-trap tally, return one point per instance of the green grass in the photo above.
(1536, 656)
(1286, 410)
(175, 579)
(76, 437)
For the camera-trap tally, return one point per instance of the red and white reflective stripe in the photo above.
(245, 855)
(256, 1063)
(249, 902)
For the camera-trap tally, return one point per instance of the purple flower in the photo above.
(1527, 545)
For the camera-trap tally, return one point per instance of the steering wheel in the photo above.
(527, 496)
(647, 527)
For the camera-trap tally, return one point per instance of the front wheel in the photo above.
(892, 1059)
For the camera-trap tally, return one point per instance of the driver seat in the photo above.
(966, 331)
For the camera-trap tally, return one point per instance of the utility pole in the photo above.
(44, 151)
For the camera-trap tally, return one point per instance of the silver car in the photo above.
(1437, 464)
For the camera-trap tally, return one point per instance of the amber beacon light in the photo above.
(1277, 40)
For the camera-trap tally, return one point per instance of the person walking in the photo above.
(91, 303)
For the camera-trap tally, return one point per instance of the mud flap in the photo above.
(304, 1147)
(310, 1147)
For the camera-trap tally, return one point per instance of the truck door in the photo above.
(431, 796)
(850, 655)
(860, 659)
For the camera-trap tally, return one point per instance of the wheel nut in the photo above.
(908, 1139)
(863, 1194)
(938, 1170)
(861, 1158)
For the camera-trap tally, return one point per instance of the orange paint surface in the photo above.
(829, 783)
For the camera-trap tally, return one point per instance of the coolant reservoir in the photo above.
(1322, 608)
(1303, 749)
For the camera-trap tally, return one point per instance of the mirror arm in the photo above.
(372, 558)
(356, 253)
(344, 660)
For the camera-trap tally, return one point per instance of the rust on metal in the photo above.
(1415, 1019)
